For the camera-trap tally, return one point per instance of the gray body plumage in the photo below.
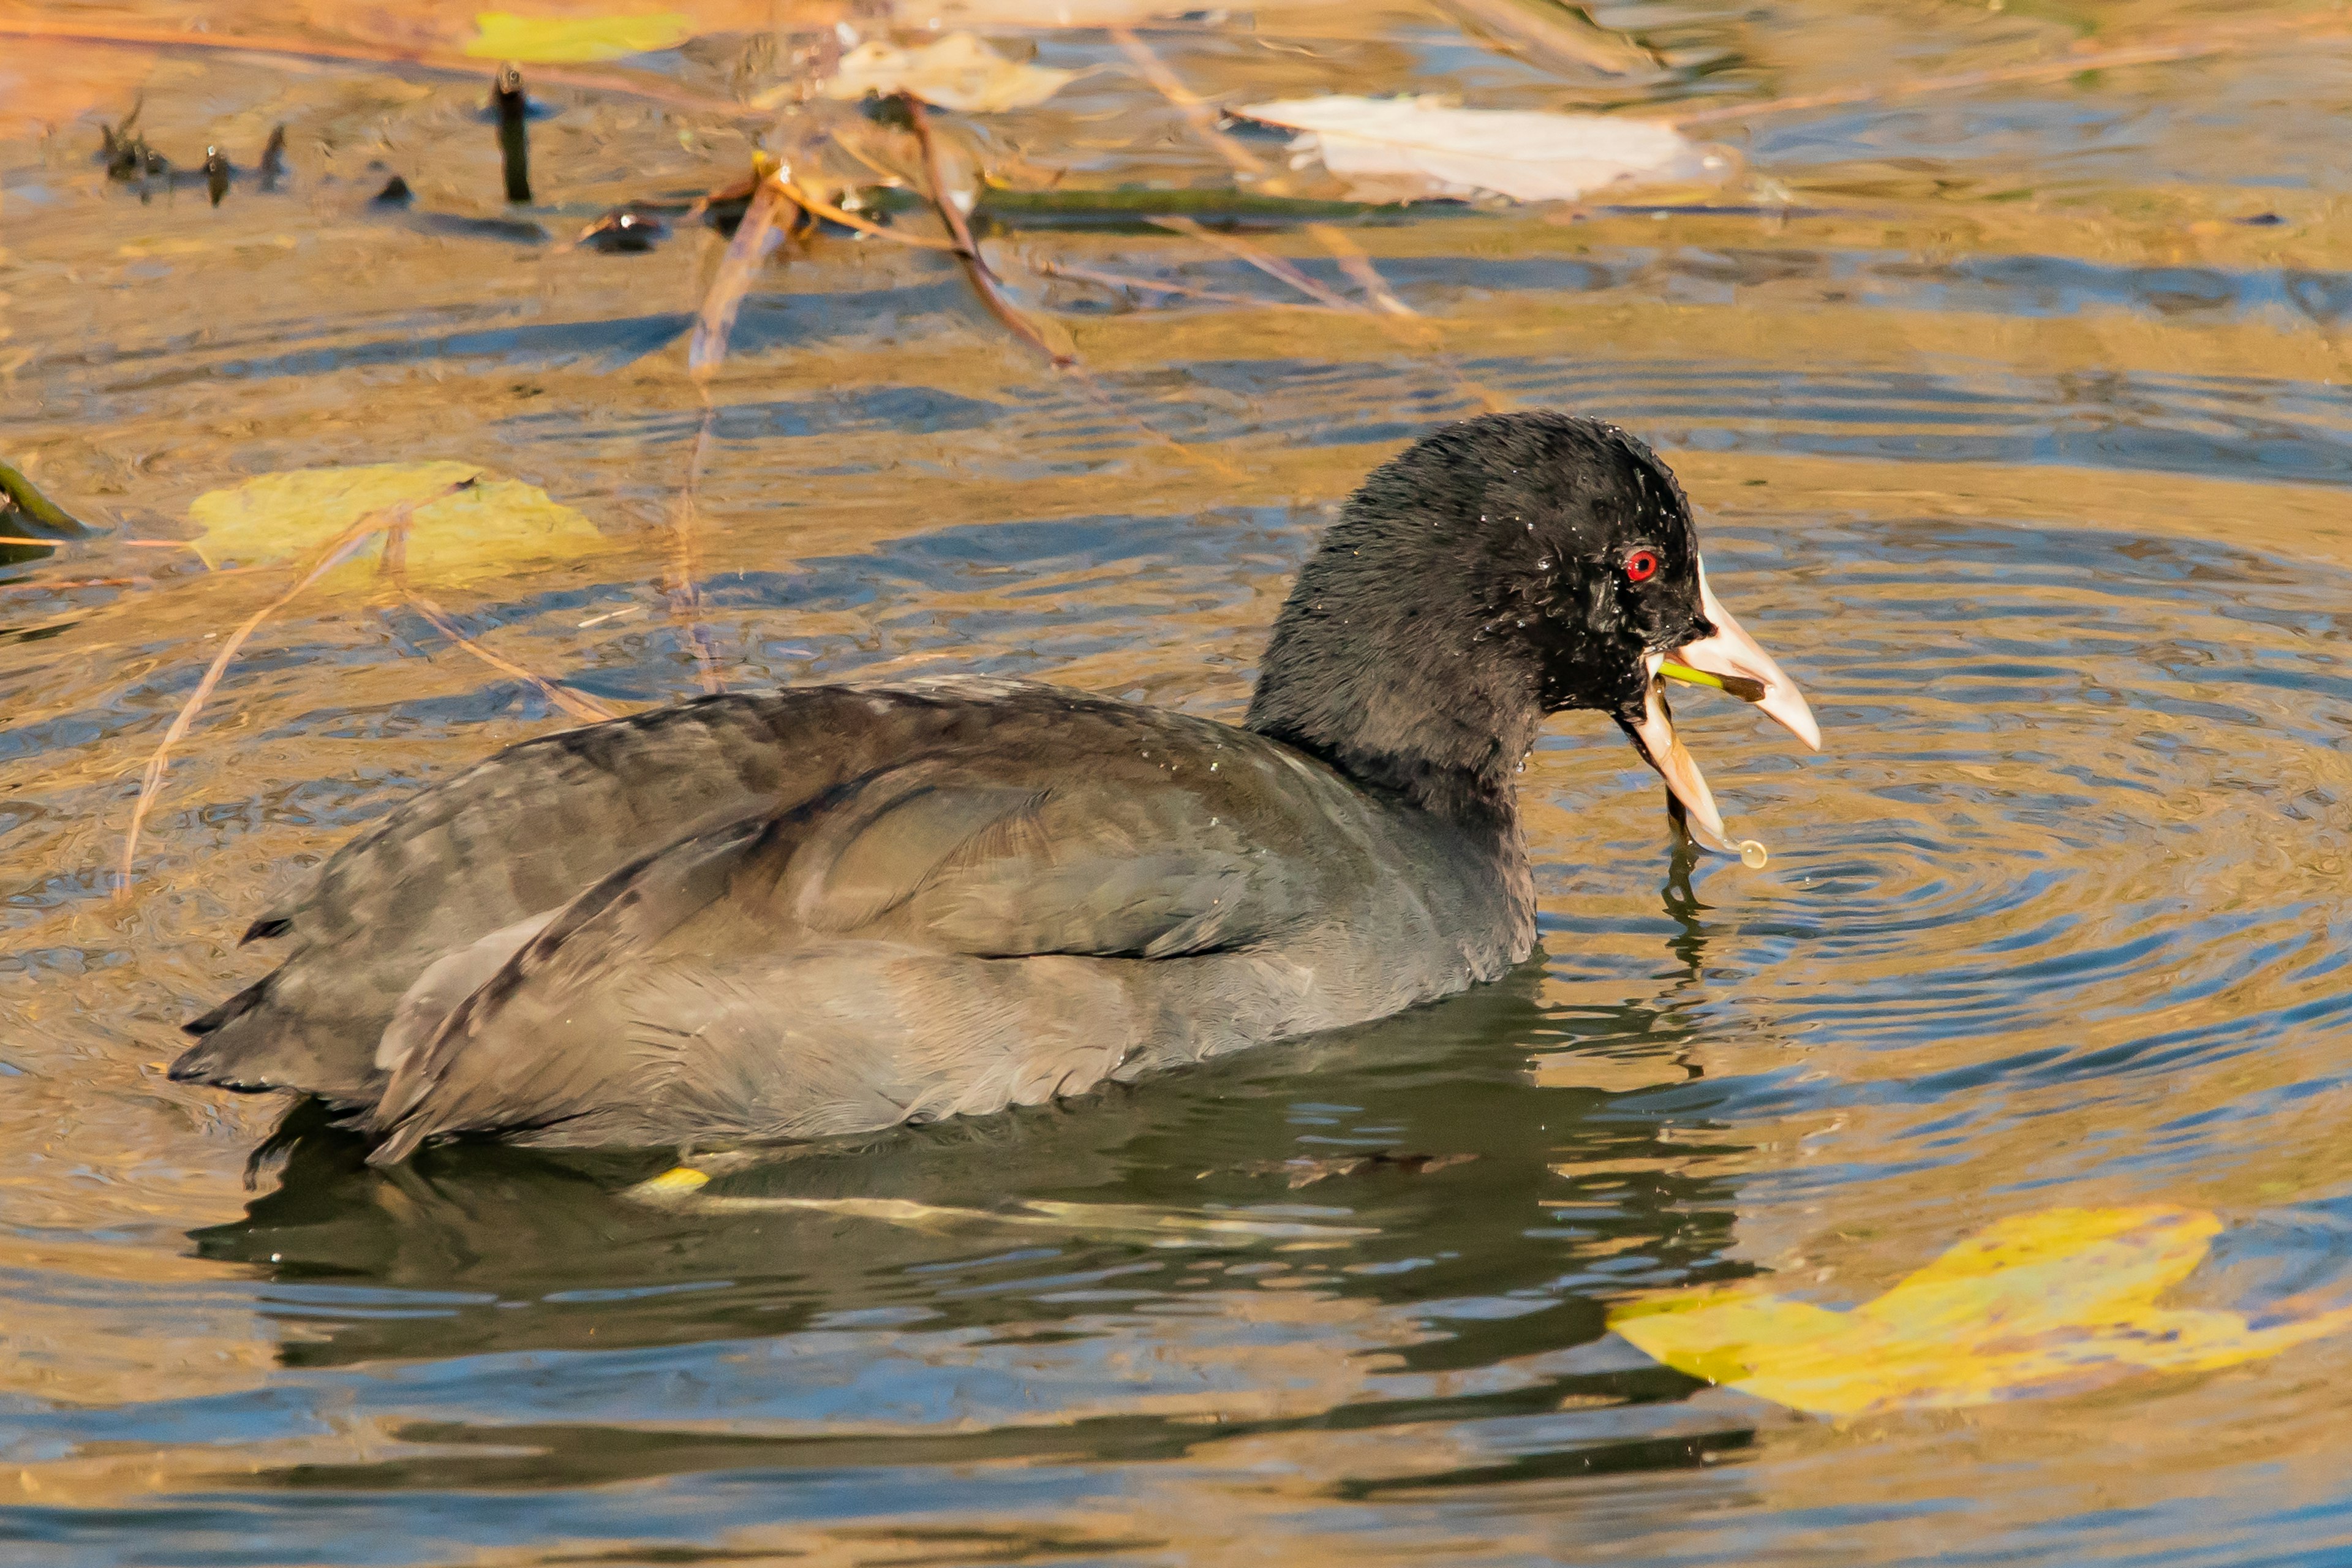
(897, 903)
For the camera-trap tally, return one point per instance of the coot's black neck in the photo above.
(1408, 695)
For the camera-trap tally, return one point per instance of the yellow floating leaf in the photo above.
(2034, 1304)
(490, 527)
(554, 41)
(958, 72)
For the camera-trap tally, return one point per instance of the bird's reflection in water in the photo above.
(1573, 1195)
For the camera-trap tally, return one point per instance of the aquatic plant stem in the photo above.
(1196, 111)
(681, 585)
(1421, 337)
(967, 250)
(396, 567)
(1357, 265)
(514, 131)
(1265, 261)
(330, 557)
(1181, 290)
(766, 220)
(832, 214)
(992, 294)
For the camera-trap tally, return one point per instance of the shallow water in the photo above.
(2019, 444)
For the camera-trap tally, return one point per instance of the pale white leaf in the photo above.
(1526, 155)
(958, 72)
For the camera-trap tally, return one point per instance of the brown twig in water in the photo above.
(764, 224)
(395, 566)
(681, 584)
(1421, 337)
(1197, 113)
(967, 250)
(984, 283)
(1265, 261)
(832, 214)
(574, 703)
(324, 561)
(1121, 280)
(1359, 266)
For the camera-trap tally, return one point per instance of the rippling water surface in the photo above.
(2019, 425)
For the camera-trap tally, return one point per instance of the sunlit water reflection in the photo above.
(2040, 501)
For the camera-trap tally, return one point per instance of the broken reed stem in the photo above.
(627, 84)
(1422, 337)
(984, 284)
(832, 214)
(681, 585)
(1197, 113)
(1356, 264)
(514, 131)
(1122, 280)
(332, 555)
(765, 222)
(395, 566)
(1265, 261)
(579, 706)
(967, 250)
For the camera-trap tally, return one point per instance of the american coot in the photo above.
(833, 909)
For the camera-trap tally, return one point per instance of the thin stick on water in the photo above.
(1197, 113)
(1421, 336)
(680, 585)
(1156, 286)
(967, 250)
(984, 283)
(1357, 265)
(832, 214)
(765, 221)
(327, 559)
(1265, 261)
(396, 567)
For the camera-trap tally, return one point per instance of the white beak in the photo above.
(1746, 671)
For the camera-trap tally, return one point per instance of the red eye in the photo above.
(1641, 566)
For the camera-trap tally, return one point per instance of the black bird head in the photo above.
(1497, 571)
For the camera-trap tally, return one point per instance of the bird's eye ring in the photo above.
(1641, 565)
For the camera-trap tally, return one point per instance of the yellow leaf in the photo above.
(958, 72)
(486, 529)
(2034, 1304)
(554, 41)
